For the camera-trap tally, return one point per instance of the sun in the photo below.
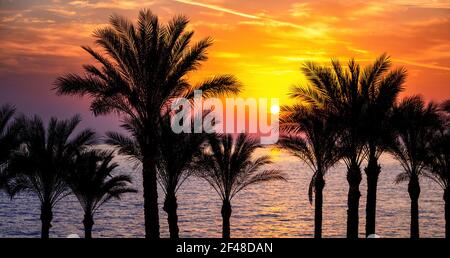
(275, 109)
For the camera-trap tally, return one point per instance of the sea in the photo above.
(276, 209)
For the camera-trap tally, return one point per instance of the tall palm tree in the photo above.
(93, 183)
(310, 135)
(438, 159)
(227, 165)
(175, 157)
(144, 68)
(340, 91)
(9, 140)
(382, 88)
(43, 160)
(414, 123)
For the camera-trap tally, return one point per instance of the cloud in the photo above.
(218, 8)
(115, 4)
(61, 11)
(25, 19)
(227, 55)
(374, 9)
(12, 18)
(444, 4)
(263, 19)
(300, 10)
(422, 64)
(211, 25)
(357, 50)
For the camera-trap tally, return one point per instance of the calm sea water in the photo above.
(276, 209)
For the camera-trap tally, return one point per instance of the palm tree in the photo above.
(340, 92)
(9, 140)
(145, 67)
(310, 135)
(227, 165)
(177, 153)
(93, 184)
(413, 123)
(175, 158)
(46, 155)
(438, 160)
(382, 88)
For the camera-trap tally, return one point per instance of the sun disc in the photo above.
(275, 109)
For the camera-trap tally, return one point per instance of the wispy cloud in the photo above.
(219, 8)
(61, 11)
(115, 4)
(267, 20)
(228, 55)
(424, 65)
(424, 3)
(300, 10)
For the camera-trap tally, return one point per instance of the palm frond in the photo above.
(125, 145)
(45, 157)
(260, 177)
(227, 164)
(402, 177)
(218, 86)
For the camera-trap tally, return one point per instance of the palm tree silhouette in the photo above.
(9, 140)
(310, 135)
(340, 91)
(43, 160)
(227, 165)
(94, 184)
(381, 91)
(438, 159)
(413, 123)
(145, 67)
(176, 155)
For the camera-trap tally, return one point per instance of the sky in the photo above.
(262, 42)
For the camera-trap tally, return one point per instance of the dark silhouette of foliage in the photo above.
(414, 123)
(382, 89)
(145, 66)
(175, 163)
(341, 90)
(437, 160)
(44, 158)
(310, 134)
(9, 138)
(227, 165)
(93, 183)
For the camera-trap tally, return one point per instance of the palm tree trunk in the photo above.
(88, 223)
(447, 212)
(46, 219)
(170, 207)
(372, 170)
(414, 193)
(354, 179)
(319, 184)
(151, 215)
(226, 214)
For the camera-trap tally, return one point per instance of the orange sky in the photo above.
(262, 42)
